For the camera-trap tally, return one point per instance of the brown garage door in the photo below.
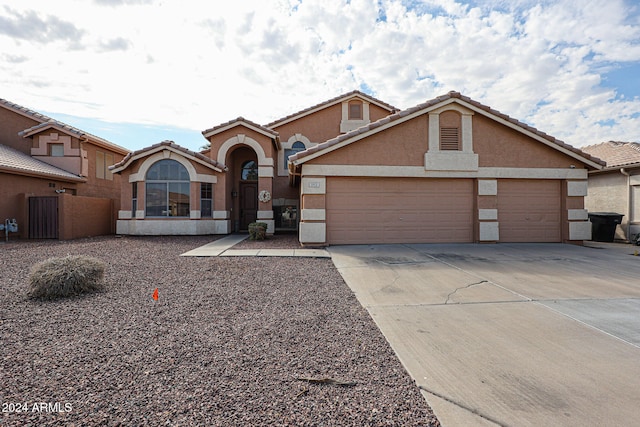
(529, 210)
(399, 210)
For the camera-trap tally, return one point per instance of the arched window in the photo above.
(295, 148)
(249, 171)
(167, 189)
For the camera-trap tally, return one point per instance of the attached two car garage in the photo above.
(418, 210)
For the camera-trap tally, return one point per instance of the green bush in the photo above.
(258, 230)
(66, 276)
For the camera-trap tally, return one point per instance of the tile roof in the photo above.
(24, 110)
(46, 121)
(129, 157)
(240, 120)
(615, 153)
(431, 103)
(333, 101)
(14, 161)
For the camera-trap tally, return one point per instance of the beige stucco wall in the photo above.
(608, 192)
(402, 145)
(498, 145)
(318, 127)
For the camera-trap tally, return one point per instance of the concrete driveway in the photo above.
(509, 334)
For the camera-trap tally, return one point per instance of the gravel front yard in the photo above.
(225, 344)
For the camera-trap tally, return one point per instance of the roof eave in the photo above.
(214, 131)
(24, 172)
(616, 168)
(162, 147)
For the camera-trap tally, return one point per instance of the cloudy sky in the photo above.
(137, 72)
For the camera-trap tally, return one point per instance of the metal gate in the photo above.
(43, 217)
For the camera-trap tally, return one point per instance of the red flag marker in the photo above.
(155, 294)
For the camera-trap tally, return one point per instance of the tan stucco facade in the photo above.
(449, 170)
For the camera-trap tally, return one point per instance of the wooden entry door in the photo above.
(43, 217)
(248, 204)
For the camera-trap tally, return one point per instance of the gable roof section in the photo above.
(424, 108)
(241, 121)
(616, 153)
(70, 130)
(170, 146)
(16, 162)
(47, 122)
(329, 103)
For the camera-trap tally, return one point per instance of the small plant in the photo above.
(66, 276)
(258, 230)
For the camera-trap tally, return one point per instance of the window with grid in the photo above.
(206, 200)
(134, 198)
(167, 190)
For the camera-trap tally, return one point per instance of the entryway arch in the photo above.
(239, 140)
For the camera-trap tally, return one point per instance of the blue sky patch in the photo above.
(134, 136)
(607, 122)
(625, 79)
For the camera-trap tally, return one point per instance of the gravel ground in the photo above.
(225, 344)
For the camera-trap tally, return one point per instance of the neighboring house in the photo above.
(356, 170)
(54, 178)
(616, 188)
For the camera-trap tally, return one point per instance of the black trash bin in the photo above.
(603, 225)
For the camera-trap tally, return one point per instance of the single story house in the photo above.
(355, 169)
(54, 178)
(616, 187)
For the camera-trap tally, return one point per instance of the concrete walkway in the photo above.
(222, 247)
(509, 334)
(217, 247)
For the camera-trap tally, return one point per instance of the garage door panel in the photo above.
(399, 210)
(529, 210)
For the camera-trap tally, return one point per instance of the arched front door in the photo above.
(248, 193)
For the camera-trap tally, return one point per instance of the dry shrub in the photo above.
(66, 276)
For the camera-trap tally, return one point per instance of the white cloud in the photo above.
(197, 64)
